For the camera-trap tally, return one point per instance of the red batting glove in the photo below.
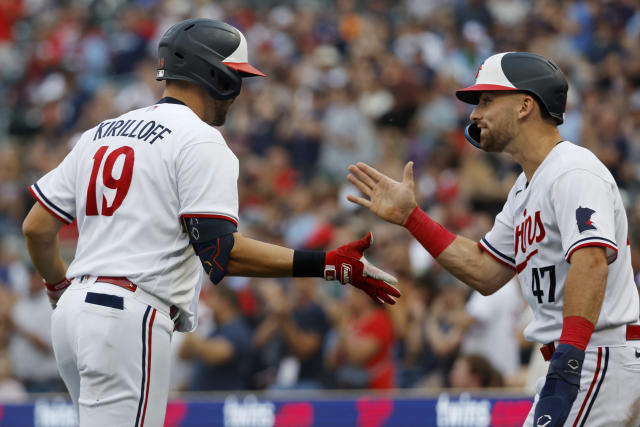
(348, 265)
(55, 290)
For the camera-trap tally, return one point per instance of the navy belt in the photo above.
(105, 300)
(108, 300)
(118, 302)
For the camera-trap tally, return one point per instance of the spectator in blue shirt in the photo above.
(222, 360)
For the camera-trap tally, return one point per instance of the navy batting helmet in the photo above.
(211, 54)
(519, 71)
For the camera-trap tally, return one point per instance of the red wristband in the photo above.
(576, 331)
(434, 237)
(58, 286)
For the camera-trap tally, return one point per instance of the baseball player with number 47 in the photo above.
(152, 191)
(562, 230)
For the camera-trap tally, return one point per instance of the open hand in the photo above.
(391, 200)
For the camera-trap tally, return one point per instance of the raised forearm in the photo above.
(468, 262)
(460, 256)
(253, 258)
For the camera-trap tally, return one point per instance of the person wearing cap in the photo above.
(154, 193)
(562, 231)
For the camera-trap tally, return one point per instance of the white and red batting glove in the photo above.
(348, 265)
(55, 290)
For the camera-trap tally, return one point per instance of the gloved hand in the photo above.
(560, 388)
(55, 290)
(348, 265)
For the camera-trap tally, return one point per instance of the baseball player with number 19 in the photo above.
(150, 190)
(562, 230)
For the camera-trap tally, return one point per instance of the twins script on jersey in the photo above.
(571, 202)
(128, 181)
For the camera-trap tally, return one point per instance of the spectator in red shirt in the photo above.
(361, 354)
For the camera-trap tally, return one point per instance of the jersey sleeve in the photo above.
(207, 180)
(55, 191)
(584, 208)
(498, 242)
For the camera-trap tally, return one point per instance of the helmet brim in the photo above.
(471, 94)
(246, 68)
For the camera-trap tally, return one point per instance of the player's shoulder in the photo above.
(570, 157)
(189, 128)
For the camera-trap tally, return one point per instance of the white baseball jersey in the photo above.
(571, 202)
(128, 181)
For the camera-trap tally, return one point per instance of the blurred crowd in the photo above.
(347, 81)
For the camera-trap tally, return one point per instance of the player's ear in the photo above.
(527, 105)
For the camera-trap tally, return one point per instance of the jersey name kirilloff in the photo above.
(132, 129)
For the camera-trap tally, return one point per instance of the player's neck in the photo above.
(533, 148)
(190, 94)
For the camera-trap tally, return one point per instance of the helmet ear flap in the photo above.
(226, 84)
(221, 81)
(472, 133)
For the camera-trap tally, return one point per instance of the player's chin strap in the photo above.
(472, 133)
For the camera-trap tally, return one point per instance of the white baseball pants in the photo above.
(114, 361)
(609, 393)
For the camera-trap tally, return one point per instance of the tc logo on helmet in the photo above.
(478, 72)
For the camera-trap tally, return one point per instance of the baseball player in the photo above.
(562, 230)
(150, 190)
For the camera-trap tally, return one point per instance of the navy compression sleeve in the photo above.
(212, 239)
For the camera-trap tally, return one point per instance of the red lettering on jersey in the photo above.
(530, 230)
(523, 264)
(541, 232)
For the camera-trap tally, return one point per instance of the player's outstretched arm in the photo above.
(345, 264)
(395, 202)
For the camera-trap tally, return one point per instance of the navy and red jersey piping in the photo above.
(590, 241)
(496, 254)
(51, 207)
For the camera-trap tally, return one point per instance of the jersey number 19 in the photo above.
(120, 184)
